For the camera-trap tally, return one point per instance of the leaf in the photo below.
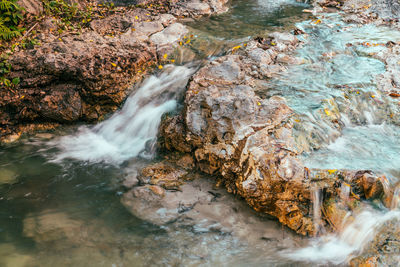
(16, 81)
(7, 82)
(332, 171)
(327, 112)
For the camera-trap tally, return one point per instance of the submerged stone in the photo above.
(8, 176)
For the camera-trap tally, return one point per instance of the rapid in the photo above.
(66, 186)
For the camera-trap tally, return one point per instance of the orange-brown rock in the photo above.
(163, 175)
(72, 77)
(246, 138)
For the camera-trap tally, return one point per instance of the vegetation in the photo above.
(10, 17)
(10, 28)
(69, 16)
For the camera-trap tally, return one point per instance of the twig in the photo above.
(26, 34)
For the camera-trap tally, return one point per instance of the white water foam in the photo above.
(273, 5)
(131, 131)
(340, 247)
(370, 146)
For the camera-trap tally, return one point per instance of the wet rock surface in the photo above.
(384, 249)
(196, 8)
(233, 130)
(389, 82)
(82, 77)
(196, 203)
(385, 12)
(246, 138)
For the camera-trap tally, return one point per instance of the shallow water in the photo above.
(215, 35)
(336, 82)
(249, 18)
(70, 214)
(60, 195)
(344, 122)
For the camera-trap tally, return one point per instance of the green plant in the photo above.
(5, 68)
(69, 15)
(10, 17)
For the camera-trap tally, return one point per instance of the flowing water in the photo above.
(60, 194)
(336, 82)
(132, 131)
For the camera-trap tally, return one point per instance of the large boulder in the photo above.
(236, 131)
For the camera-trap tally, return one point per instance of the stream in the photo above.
(60, 193)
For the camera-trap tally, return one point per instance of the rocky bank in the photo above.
(82, 76)
(246, 139)
(230, 128)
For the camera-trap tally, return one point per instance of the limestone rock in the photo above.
(247, 140)
(162, 174)
(31, 7)
(196, 8)
(50, 226)
(70, 78)
(7, 176)
(11, 257)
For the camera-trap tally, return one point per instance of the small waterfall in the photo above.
(345, 191)
(395, 198)
(317, 203)
(340, 247)
(131, 131)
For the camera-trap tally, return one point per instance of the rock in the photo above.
(11, 257)
(384, 249)
(162, 174)
(169, 35)
(232, 131)
(248, 141)
(167, 40)
(31, 7)
(329, 3)
(73, 78)
(370, 185)
(130, 181)
(49, 226)
(167, 19)
(150, 204)
(70, 78)
(366, 11)
(335, 212)
(200, 206)
(196, 8)
(7, 176)
(62, 104)
(389, 81)
(186, 162)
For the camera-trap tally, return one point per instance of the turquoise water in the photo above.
(343, 116)
(68, 213)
